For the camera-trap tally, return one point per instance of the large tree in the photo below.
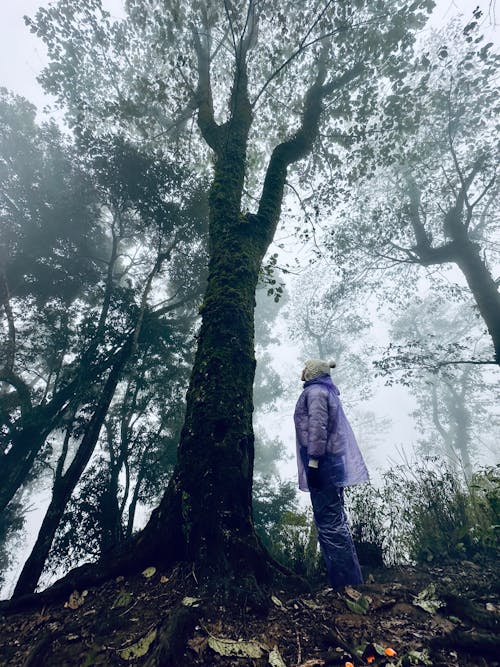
(261, 84)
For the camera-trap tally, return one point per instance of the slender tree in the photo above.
(72, 278)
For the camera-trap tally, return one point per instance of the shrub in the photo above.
(425, 512)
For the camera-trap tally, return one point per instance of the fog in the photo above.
(392, 372)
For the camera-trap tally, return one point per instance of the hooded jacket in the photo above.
(323, 432)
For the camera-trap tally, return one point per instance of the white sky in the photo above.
(22, 55)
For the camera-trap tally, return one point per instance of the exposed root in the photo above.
(464, 608)
(159, 543)
(173, 636)
(475, 643)
(35, 657)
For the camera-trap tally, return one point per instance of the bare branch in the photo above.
(209, 129)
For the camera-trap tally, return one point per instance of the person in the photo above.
(328, 459)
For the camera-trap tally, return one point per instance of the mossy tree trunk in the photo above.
(206, 513)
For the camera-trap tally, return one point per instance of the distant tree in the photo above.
(455, 415)
(136, 452)
(434, 202)
(324, 317)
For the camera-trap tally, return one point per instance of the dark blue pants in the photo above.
(335, 537)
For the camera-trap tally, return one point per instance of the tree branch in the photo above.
(11, 340)
(209, 129)
(299, 145)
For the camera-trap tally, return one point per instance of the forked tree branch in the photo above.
(299, 144)
(209, 129)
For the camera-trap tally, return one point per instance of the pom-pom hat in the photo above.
(313, 368)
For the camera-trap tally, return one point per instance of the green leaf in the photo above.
(122, 599)
(428, 600)
(275, 659)
(419, 658)
(149, 572)
(191, 602)
(361, 606)
(140, 648)
(229, 647)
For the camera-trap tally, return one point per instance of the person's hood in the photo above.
(325, 380)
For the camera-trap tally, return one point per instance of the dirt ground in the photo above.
(131, 621)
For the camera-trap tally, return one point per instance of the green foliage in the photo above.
(426, 513)
(288, 532)
(431, 186)
(367, 520)
(11, 526)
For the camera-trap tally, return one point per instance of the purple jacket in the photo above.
(323, 432)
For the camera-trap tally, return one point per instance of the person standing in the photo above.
(328, 459)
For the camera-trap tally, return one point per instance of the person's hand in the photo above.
(313, 477)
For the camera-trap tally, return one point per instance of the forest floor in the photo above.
(126, 621)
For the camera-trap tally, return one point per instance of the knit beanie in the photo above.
(316, 367)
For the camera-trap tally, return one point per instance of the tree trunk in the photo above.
(483, 289)
(205, 515)
(111, 524)
(18, 462)
(64, 484)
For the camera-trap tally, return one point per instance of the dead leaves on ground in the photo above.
(76, 600)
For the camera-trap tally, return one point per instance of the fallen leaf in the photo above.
(352, 593)
(191, 602)
(360, 607)
(140, 647)
(122, 599)
(76, 600)
(229, 647)
(419, 658)
(275, 659)
(428, 600)
(277, 601)
(163, 579)
(149, 572)
(198, 644)
(311, 604)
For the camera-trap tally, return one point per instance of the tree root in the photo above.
(36, 657)
(332, 638)
(464, 608)
(476, 643)
(173, 636)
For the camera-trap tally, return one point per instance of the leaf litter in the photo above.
(319, 628)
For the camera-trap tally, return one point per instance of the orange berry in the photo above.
(349, 664)
(390, 652)
(370, 658)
